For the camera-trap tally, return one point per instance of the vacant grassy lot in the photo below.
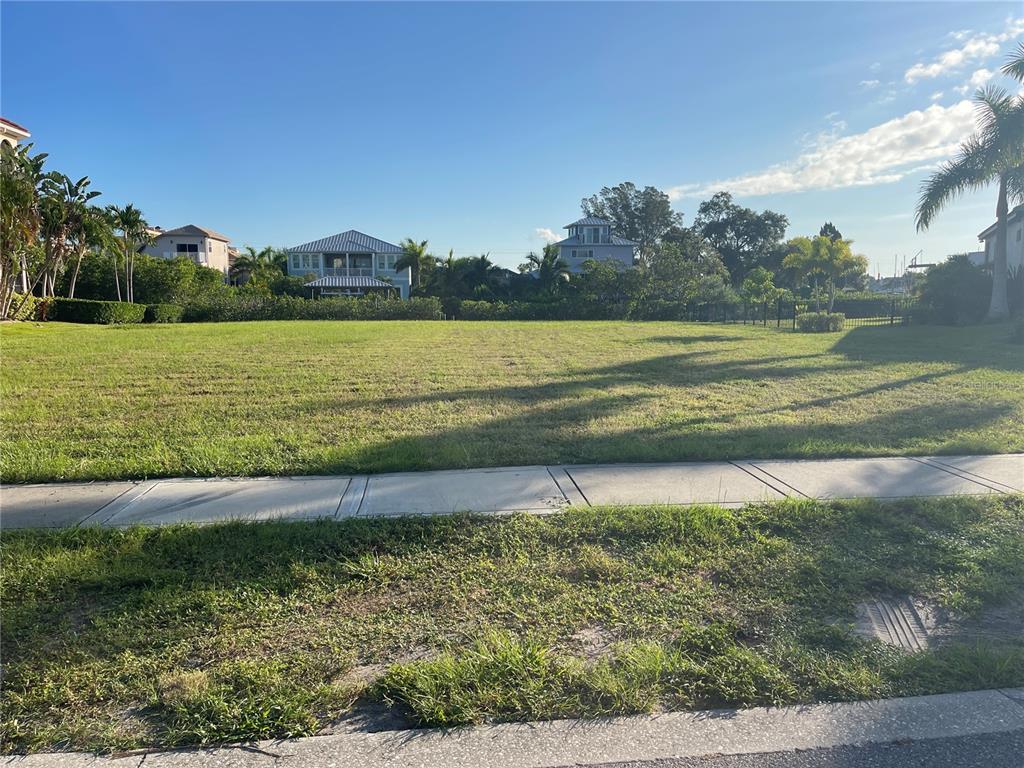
(88, 402)
(121, 638)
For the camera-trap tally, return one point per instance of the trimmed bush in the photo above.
(820, 322)
(955, 292)
(28, 308)
(163, 313)
(95, 312)
(235, 307)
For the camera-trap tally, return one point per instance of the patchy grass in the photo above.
(115, 639)
(91, 402)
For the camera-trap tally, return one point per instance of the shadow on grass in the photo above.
(109, 602)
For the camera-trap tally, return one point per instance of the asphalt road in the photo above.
(994, 750)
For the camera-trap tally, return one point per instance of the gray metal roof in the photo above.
(1011, 217)
(348, 282)
(615, 240)
(351, 241)
(589, 221)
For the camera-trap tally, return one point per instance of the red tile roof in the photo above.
(13, 124)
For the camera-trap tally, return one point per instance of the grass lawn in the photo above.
(115, 639)
(90, 402)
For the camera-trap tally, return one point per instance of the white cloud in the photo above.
(976, 48)
(880, 155)
(547, 235)
(978, 79)
(875, 66)
(869, 83)
(936, 96)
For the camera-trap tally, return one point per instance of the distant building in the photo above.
(591, 238)
(11, 133)
(1014, 240)
(350, 263)
(201, 245)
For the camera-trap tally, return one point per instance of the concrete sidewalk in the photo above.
(609, 740)
(499, 491)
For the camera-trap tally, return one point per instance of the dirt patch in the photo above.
(591, 642)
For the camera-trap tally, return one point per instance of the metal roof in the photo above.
(348, 282)
(615, 240)
(589, 221)
(191, 230)
(350, 241)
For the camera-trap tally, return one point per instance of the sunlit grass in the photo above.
(89, 402)
(115, 639)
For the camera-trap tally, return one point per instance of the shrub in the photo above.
(820, 322)
(99, 312)
(231, 307)
(28, 307)
(485, 310)
(955, 292)
(163, 313)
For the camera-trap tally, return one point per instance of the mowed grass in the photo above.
(89, 402)
(116, 639)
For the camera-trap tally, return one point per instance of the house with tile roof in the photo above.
(11, 133)
(201, 245)
(350, 263)
(591, 238)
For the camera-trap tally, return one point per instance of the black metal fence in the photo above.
(888, 310)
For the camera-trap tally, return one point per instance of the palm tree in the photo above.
(263, 263)
(21, 179)
(414, 256)
(995, 154)
(480, 271)
(64, 206)
(551, 270)
(134, 233)
(94, 232)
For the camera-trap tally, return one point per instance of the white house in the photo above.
(350, 264)
(592, 238)
(12, 133)
(202, 245)
(1014, 239)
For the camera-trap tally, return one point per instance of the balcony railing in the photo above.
(348, 271)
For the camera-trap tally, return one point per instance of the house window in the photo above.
(583, 253)
(382, 261)
(295, 261)
(595, 235)
(186, 249)
(1018, 234)
(315, 261)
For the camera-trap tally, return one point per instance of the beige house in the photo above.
(202, 245)
(12, 133)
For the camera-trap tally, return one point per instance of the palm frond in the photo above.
(973, 168)
(1014, 66)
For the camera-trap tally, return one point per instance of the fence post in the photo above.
(892, 313)
(778, 313)
(764, 314)
(794, 315)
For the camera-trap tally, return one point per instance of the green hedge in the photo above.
(163, 313)
(99, 312)
(537, 310)
(820, 322)
(237, 307)
(28, 308)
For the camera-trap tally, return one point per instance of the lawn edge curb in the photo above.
(616, 739)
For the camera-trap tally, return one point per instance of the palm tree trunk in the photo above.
(999, 308)
(74, 275)
(117, 277)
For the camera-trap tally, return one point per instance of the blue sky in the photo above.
(479, 126)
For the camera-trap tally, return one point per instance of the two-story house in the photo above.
(1014, 241)
(11, 133)
(201, 245)
(592, 238)
(350, 264)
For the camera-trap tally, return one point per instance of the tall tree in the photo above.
(643, 215)
(64, 206)
(93, 233)
(133, 234)
(21, 179)
(744, 238)
(993, 155)
(415, 258)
